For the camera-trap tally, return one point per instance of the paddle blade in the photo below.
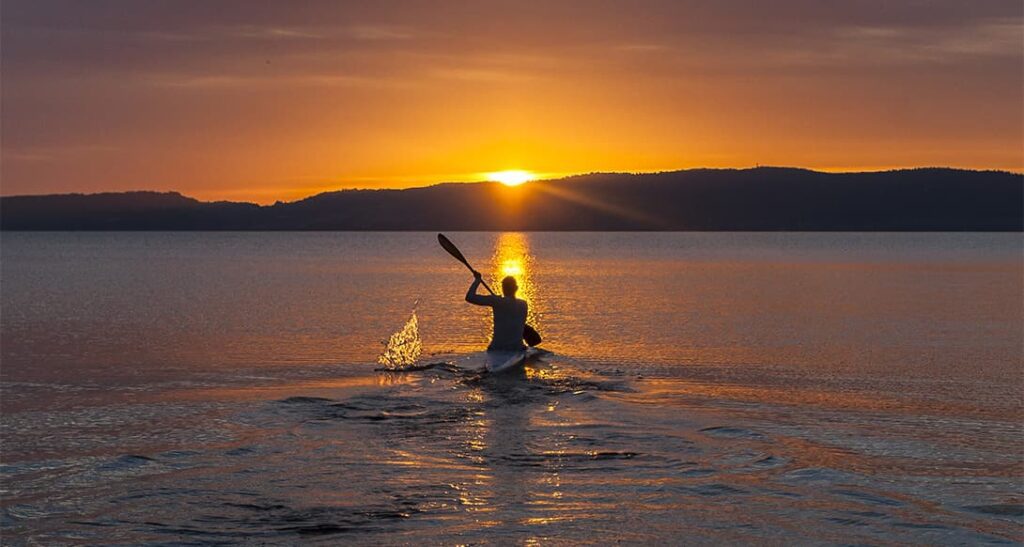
(531, 336)
(452, 249)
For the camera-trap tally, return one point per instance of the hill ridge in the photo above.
(757, 198)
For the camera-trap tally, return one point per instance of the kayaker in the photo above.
(509, 313)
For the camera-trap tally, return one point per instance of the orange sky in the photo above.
(280, 100)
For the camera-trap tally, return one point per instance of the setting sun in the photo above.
(511, 178)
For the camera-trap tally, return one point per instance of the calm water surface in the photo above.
(770, 388)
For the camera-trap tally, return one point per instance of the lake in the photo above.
(701, 388)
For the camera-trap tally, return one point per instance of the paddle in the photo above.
(530, 334)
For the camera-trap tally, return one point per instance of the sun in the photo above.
(511, 178)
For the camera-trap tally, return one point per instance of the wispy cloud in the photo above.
(228, 33)
(54, 153)
(480, 75)
(279, 32)
(380, 32)
(640, 47)
(275, 32)
(237, 81)
(894, 44)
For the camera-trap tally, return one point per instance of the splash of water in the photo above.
(404, 347)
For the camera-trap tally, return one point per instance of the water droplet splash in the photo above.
(404, 347)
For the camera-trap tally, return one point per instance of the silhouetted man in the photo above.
(509, 314)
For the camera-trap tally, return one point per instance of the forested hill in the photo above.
(699, 199)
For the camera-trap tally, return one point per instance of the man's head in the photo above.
(509, 286)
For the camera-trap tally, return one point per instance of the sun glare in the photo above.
(511, 178)
(511, 267)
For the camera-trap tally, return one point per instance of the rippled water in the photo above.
(702, 388)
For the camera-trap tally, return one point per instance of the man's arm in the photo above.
(478, 299)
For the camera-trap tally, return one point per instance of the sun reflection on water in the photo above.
(512, 258)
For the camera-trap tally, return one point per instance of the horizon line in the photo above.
(554, 178)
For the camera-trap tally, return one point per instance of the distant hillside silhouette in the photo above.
(701, 199)
(123, 211)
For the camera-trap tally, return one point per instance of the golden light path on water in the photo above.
(499, 430)
(512, 258)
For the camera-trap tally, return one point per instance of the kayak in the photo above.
(501, 361)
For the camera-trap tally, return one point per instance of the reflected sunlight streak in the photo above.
(512, 257)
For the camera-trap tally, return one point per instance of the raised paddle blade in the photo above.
(455, 252)
(531, 336)
(452, 249)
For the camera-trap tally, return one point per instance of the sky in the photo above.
(272, 100)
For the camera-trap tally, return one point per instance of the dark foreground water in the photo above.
(703, 388)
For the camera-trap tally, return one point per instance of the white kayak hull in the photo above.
(501, 361)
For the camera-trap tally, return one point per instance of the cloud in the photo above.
(378, 32)
(641, 47)
(843, 48)
(479, 75)
(891, 44)
(278, 32)
(246, 81)
(54, 153)
(274, 32)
